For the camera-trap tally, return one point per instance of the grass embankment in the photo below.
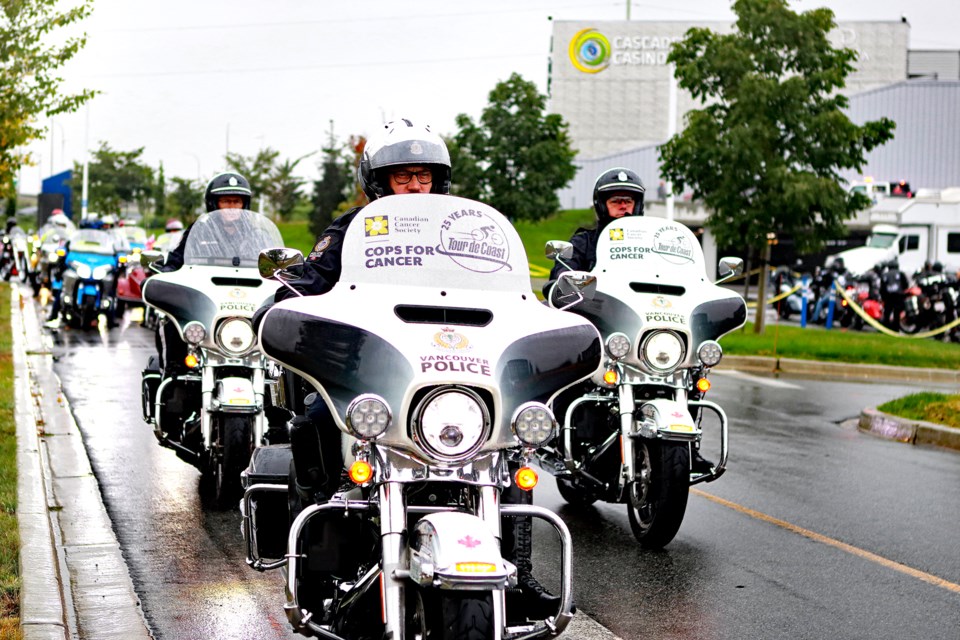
(296, 235)
(837, 345)
(9, 532)
(929, 407)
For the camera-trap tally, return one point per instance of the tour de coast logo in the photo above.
(474, 241)
(590, 51)
(673, 245)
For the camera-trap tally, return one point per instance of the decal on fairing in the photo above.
(238, 307)
(662, 316)
(634, 249)
(535, 367)
(450, 339)
(474, 241)
(393, 255)
(456, 363)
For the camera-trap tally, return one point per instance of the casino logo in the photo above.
(590, 51)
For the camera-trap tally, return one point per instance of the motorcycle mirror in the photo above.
(147, 258)
(282, 263)
(729, 268)
(578, 285)
(559, 248)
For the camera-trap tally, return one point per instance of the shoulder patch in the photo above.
(322, 245)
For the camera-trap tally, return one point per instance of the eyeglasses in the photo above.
(620, 200)
(424, 176)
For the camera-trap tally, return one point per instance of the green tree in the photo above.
(257, 169)
(516, 157)
(184, 200)
(116, 179)
(332, 187)
(28, 66)
(283, 190)
(160, 196)
(766, 150)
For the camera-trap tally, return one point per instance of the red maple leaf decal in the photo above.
(469, 542)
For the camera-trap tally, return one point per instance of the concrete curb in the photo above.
(75, 581)
(871, 372)
(900, 429)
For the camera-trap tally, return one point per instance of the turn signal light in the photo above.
(610, 376)
(123, 259)
(703, 385)
(191, 361)
(360, 472)
(526, 478)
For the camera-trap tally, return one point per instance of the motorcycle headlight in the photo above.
(534, 424)
(194, 333)
(710, 353)
(236, 336)
(662, 351)
(368, 416)
(83, 270)
(52, 256)
(617, 345)
(451, 422)
(101, 272)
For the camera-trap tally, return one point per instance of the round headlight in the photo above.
(101, 272)
(710, 353)
(368, 416)
(451, 422)
(83, 270)
(194, 333)
(662, 351)
(618, 345)
(534, 424)
(236, 335)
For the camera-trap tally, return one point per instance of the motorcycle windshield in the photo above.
(230, 238)
(434, 291)
(136, 236)
(168, 241)
(95, 241)
(651, 273)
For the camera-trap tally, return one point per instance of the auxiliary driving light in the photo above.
(360, 472)
(368, 416)
(194, 333)
(526, 478)
(710, 353)
(618, 345)
(534, 424)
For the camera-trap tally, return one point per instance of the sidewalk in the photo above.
(75, 581)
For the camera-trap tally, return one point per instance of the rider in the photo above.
(618, 192)
(402, 158)
(228, 190)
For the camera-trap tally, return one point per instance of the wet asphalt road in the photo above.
(824, 532)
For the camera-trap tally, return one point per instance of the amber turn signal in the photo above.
(703, 385)
(191, 361)
(360, 472)
(526, 478)
(610, 376)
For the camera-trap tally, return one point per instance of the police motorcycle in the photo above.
(91, 263)
(210, 408)
(628, 436)
(16, 255)
(438, 364)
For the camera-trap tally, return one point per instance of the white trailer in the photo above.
(917, 230)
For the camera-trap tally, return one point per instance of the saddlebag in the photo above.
(269, 511)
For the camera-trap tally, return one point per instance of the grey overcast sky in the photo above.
(185, 79)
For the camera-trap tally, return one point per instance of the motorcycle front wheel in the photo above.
(230, 456)
(575, 494)
(451, 615)
(657, 500)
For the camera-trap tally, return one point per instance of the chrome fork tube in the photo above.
(393, 522)
(489, 512)
(258, 421)
(206, 406)
(628, 467)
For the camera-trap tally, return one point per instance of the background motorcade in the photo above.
(436, 361)
(208, 403)
(631, 434)
(90, 266)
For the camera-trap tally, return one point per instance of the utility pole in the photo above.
(86, 168)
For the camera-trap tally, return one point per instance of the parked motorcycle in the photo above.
(931, 302)
(212, 412)
(88, 284)
(438, 363)
(628, 435)
(15, 261)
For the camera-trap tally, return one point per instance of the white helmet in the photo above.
(400, 143)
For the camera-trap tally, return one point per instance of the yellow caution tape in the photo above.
(536, 271)
(883, 329)
(778, 298)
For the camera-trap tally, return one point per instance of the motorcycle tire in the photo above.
(88, 314)
(451, 615)
(657, 500)
(574, 494)
(232, 455)
(907, 324)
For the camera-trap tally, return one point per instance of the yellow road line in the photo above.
(843, 546)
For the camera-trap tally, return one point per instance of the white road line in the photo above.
(767, 382)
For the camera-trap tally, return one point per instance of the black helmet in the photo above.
(398, 144)
(611, 181)
(228, 183)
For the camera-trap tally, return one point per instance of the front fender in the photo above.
(667, 420)
(452, 550)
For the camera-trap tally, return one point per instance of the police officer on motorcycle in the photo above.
(402, 158)
(228, 190)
